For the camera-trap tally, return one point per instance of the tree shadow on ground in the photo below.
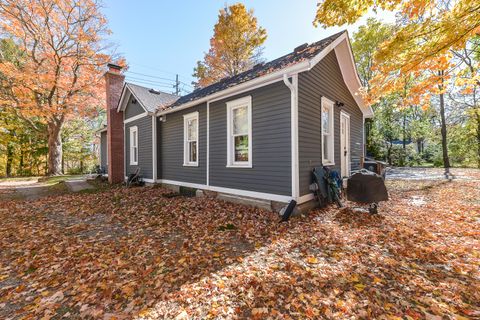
(119, 250)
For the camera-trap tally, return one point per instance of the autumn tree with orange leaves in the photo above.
(59, 74)
(420, 48)
(234, 47)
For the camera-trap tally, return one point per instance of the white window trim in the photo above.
(132, 160)
(186, 118)
(330, 105)
(231, 105)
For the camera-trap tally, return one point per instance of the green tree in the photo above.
(366, 42)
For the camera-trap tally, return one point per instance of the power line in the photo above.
(158, 85)
(151, 81)
(155, 68)
(149, 76)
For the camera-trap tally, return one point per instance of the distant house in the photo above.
(255, 136)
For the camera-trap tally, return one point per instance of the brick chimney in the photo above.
(114, 80)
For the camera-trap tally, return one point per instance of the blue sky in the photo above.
(162, 38)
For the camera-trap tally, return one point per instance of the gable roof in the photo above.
(302, 53)
(149, 99)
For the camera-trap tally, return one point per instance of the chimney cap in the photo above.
(114, 67)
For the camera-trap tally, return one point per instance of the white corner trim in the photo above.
(186, 118)
(138, 116)
(239, 192)
(293, 86)
(231, 105)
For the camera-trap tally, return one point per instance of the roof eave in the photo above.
(263, 80)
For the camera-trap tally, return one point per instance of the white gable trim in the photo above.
(346, 61)
(125, 97)
(342, 48)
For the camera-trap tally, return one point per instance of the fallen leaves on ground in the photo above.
(132, 253)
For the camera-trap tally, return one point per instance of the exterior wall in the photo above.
(326, 80)
(103, 150)
(170, 147)
(271, 141)
(144, 126)
(133, 109)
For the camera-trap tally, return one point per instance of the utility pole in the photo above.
(177, 86)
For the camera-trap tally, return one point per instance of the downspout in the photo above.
(208, 143)
(293, 86)
(154, 148)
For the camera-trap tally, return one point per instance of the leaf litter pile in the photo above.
(122, 254)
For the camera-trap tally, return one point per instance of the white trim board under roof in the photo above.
(342, 48)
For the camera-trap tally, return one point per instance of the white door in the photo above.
(345, 144)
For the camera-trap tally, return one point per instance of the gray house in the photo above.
(255, 136)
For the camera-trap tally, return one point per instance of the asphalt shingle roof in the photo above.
(151, 99)
(301, 54)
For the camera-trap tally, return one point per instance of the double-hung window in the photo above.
(239, 133)
(190, 145)
(133, 145)
(327, 132)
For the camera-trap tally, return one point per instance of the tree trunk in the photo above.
(9, 158)
(477, 117)
(55, 147)
(446, 160)
(21, 165)
(404, 133)
(389, 153)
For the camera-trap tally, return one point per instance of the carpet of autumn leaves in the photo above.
(138, 253)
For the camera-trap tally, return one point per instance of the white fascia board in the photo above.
(346, 61)
(246, 86)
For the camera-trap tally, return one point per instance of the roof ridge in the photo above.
(147, 88)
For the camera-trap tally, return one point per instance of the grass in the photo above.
(9, 179)
(44, 179)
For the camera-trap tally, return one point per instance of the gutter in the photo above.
(269, 78)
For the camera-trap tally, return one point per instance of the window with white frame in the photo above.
(133, 145)
(239, 131)
(190, 145)
(327, 132)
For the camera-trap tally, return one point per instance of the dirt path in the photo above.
(34, 189)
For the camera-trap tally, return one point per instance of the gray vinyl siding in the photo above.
(133, 109)
(271, 140)
(103, 150)
(170, 133)
(144, 126)
(325, 79)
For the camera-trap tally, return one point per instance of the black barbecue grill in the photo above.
(366, 187)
